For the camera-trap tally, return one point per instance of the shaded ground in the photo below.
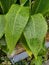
(46, 63)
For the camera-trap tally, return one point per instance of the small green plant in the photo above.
(24, 21)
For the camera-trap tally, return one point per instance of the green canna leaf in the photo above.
(16, 18)
(2, 25)
(35, 32)
(40, 6)
(6, 4)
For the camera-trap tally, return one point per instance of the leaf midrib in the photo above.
(15, 19)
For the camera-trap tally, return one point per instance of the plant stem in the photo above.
(30, 6)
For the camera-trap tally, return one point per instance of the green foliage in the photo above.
(40, 6)
(14, 28)
(33, 34)
(36, 61)
(6, 4)
(2, 25)
(23, 1)
(19, 24)
(24, 44)
(3, 45)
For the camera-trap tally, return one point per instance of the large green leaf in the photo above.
(17, 19)
(2, 25)
(23, 1)
(35, 32)
(25, 45)
(5, 4)
(40, 6)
